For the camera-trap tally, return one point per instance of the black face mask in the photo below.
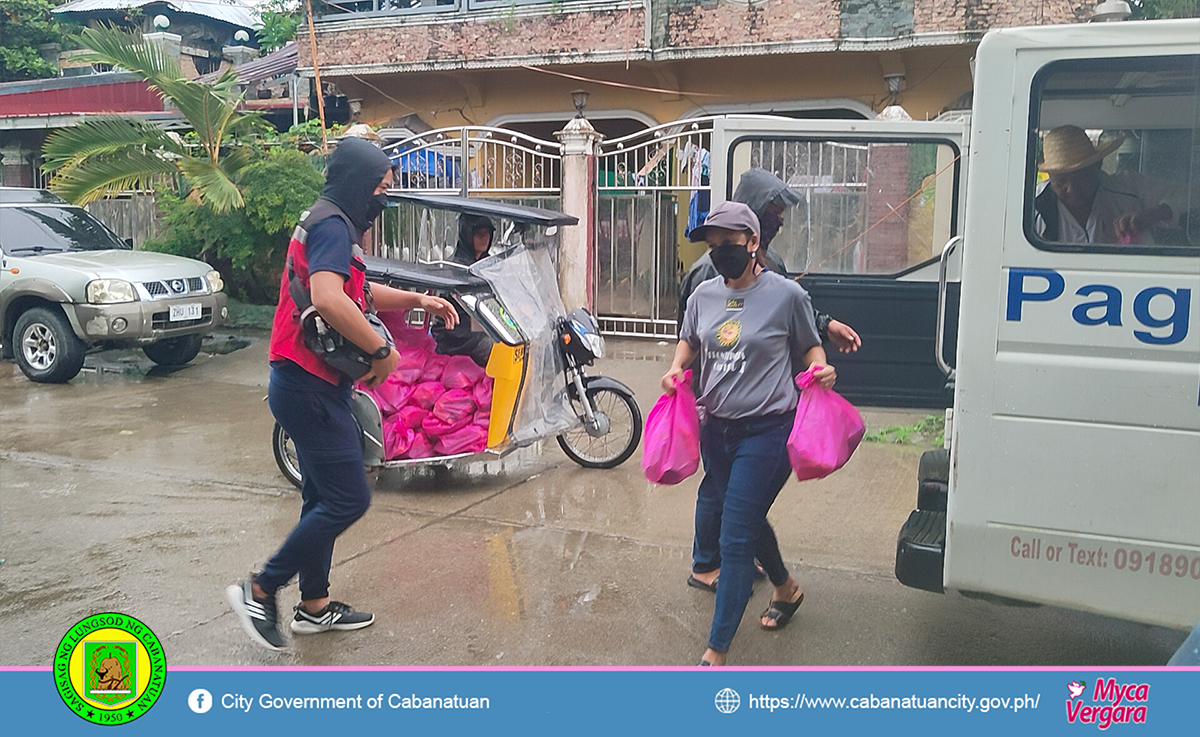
(730, 259)
(375, 206)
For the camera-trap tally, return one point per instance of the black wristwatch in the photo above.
(382, 352)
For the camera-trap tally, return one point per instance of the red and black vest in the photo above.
(287, 340)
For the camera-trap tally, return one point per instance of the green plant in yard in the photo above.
(108, 155)
(246, 245)
(931, 429)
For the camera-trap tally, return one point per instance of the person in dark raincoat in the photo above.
(475, 236)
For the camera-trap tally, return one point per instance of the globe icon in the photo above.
(728, 701)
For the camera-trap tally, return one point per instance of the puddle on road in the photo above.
(132, 365)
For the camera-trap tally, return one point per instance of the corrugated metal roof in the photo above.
(235, 12)
(277, 63)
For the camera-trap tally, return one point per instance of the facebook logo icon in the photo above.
(200, 701)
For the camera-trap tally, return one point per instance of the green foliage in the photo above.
(24, 25)
(246, 245)
(930, 430)
(280, 18)
(90, 163)
(1151, 9)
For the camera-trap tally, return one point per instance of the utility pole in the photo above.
(312, 40)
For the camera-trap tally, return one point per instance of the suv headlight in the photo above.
(110, 291)
(214, 281)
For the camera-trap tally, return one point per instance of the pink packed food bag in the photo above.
(435, 427)
(470, 439)
(454, 405)
(422, 447)
(392, 394)
(397, 439)
(434, 366)
(672, 442)
(826, 431)
(411, 365)
(405, 336)
(412, 415)
(482, 393)
(427, 393)
(483, 418)
(461, 373)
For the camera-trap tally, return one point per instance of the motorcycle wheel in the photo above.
(285, 456)
(614, 447)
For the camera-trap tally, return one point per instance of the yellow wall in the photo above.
(935, 77)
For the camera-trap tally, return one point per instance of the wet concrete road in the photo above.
(148, 494)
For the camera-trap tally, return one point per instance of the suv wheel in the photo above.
(174, 351)
(46, 348)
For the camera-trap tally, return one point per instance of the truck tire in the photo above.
(934, 466)
(174, 351)
(45, 346)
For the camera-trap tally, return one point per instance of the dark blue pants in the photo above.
(317, 417)
(745, 466)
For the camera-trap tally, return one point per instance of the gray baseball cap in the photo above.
(729, 215)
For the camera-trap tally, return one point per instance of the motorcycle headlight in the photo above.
(595, 344)
(214, 281)
(110, 291)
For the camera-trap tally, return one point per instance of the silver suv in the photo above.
(68, 283)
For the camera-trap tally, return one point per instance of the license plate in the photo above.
(185, 312)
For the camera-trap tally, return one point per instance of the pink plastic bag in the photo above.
(422, 447)
(461, 373)
(483, 418)
(427, 393)
(392, 394)
(470, 439)
(412, 416)
(397, 439)
(672, 440)
(406, 337)
(454, 405)
(482, 392)
(410, 366)
(826, 431)
(434, 366)
(435, 427)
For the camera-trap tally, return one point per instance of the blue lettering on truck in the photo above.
(1103, 304)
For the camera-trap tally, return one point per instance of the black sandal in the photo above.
(697, 583)
(781, 612)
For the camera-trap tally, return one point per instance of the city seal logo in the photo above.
(109, 669)
(729, 333)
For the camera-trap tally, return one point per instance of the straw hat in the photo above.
(1068, 148)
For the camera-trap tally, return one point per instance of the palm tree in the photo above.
(103, 156)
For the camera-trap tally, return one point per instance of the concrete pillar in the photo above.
(239, 54)
(170, 43)
(576, 270)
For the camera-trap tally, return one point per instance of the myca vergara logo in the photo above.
(1112, 703)
(109, 669)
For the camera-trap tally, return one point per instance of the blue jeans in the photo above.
(745, 466)
(317, 417)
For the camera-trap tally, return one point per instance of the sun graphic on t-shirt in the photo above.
(729, 332)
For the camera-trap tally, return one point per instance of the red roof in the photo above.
(100, 93)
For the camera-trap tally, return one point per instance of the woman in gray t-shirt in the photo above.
(750, 331)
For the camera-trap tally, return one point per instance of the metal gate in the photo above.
(650, 187)
(466, 160)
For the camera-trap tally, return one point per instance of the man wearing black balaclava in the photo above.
(311, 401)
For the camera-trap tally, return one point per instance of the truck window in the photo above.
(1114, 156)
(865, 207)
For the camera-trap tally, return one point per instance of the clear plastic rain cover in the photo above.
(525, 281)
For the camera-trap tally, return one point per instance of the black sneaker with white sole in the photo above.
(259, 617)
(335, 616)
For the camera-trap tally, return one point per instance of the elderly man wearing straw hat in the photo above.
(1083, 204)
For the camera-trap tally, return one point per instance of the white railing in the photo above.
(666, 157)
(498, 162)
